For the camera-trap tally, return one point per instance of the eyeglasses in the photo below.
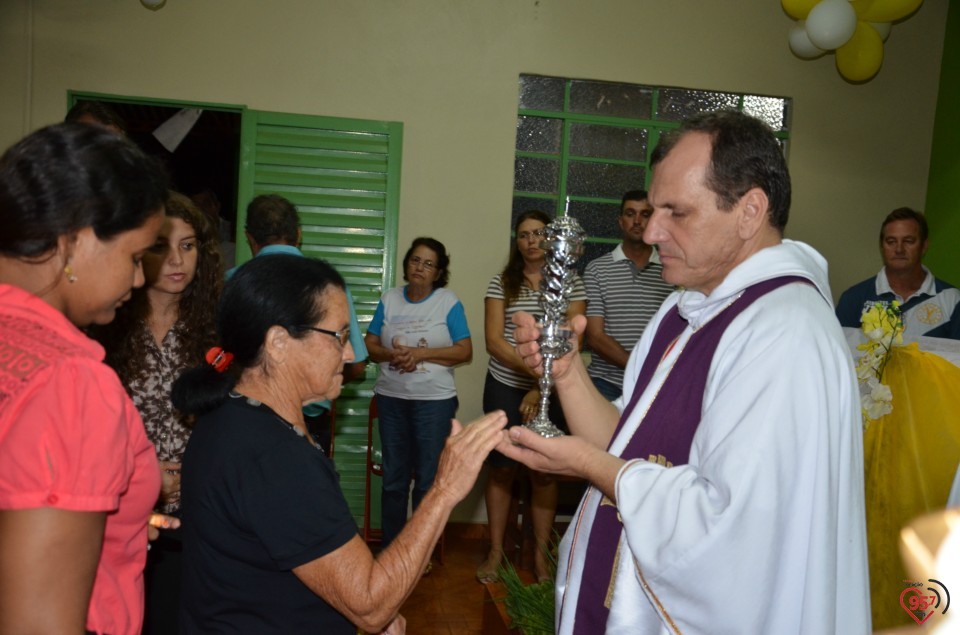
(342, 335)
(416, 261)
(539, 233)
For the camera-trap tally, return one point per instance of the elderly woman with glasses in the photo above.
(418, 334)
(269, 542)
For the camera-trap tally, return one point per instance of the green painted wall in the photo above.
(943, 190)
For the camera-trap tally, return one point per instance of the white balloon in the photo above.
(831, 24)
(800, 43)
(883, 28)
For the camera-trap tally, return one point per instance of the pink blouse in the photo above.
(71, 439)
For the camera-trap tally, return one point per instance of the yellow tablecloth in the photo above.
(911, 457)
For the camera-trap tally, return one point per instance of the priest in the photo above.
(727, 481)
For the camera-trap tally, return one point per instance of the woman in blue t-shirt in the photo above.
(418, 334)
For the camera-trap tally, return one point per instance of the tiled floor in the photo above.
(450, 600)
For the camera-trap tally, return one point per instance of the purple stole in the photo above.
(665, 435)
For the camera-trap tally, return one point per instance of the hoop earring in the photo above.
(68, 270)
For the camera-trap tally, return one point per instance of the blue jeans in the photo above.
(412, 435)
(608, 389)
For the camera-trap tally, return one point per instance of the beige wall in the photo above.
(448, 70)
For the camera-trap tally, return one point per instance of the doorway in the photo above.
(207, 158)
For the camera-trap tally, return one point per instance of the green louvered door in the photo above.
(344, 177)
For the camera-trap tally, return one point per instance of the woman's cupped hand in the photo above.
(466, 449)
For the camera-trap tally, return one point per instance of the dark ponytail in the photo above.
(200, 389)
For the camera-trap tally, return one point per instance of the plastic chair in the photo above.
(333, 427)
(374, 468)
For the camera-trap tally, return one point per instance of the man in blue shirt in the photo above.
(929, 305)
(273, 227)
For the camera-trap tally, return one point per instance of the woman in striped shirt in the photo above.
(512, 387)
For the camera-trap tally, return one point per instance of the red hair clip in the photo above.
(219, 359)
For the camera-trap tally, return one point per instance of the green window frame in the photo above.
(591, 141)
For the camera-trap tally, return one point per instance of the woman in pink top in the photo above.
(79, 206)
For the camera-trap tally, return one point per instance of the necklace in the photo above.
(259, 405)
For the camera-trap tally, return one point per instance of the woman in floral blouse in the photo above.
(165, 328)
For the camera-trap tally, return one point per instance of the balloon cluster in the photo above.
(854, 29)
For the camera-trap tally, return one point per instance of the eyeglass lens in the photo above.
(525, 235)
(417, 262)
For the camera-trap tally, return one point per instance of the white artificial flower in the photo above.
(882, 325)
(878, 401)
(880, 392)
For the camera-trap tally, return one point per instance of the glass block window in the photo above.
(591, 141)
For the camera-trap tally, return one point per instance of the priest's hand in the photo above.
(567, 455)
(529, 350)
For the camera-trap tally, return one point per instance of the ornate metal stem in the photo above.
(563, 245)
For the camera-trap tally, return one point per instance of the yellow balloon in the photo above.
(861, 6)
(798, 9)
(888, 10)
(859, 59)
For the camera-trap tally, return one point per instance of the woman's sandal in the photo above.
(543, 576)
(489, 571)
